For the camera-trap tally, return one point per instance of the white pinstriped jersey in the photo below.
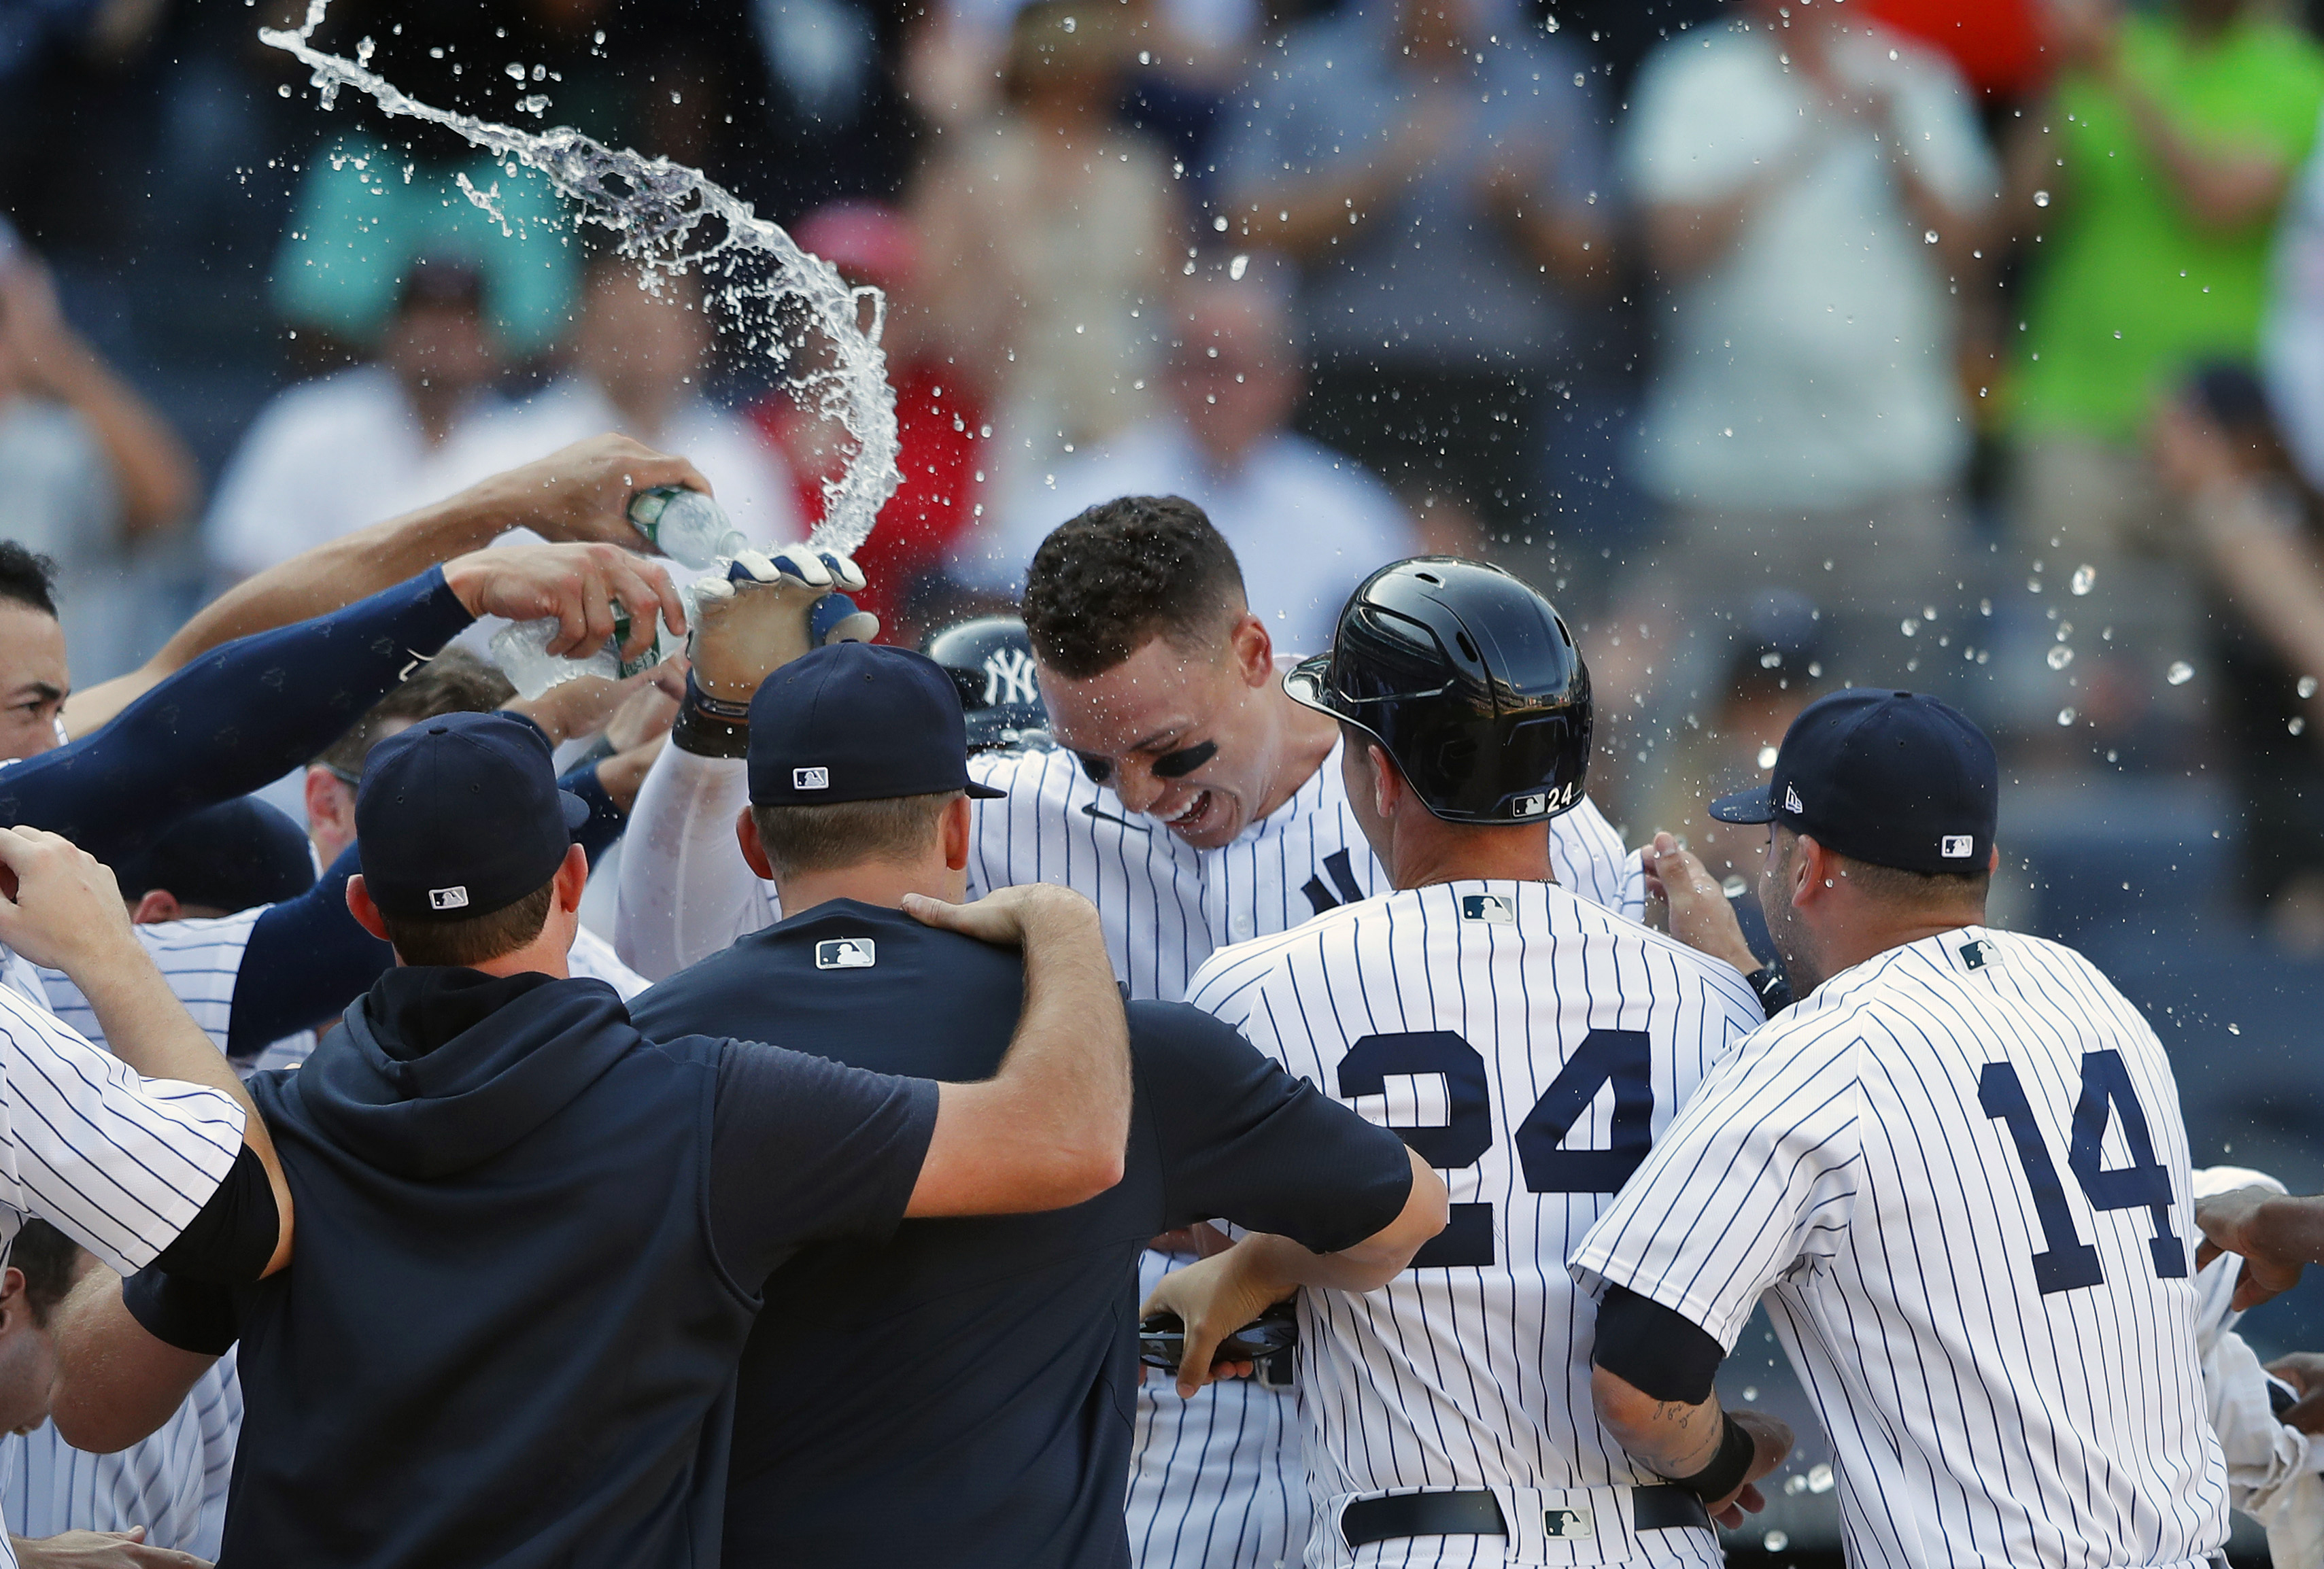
(1958, 1172)
(1167, 905)
(1530, 1045)
(202, 958)
(173, 1482)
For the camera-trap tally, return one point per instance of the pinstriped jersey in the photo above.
(1166, 906)
(202, 958)
(1530, 1045)
(1957, 1172)
(172, 1482)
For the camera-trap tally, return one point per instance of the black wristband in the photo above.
(1727, 1468)
(1773, 987)
(708, 726)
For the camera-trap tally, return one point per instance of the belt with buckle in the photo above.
(1473, 1513)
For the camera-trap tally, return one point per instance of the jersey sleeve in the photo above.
(118, 1163)
(1244, 1140)
(804, 1150)
(1753, 1178)
(685, 890)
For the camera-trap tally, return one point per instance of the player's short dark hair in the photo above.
(477, 940)
(826, 838)
(455, 681)
(1124, 572)
(49, 1260)
(28, 577)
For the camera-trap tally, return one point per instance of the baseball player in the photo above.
(1526, 1042)
(1189, 797)
(1954, 1172)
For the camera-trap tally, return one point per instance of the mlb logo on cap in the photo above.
(810, 778)
(448, 898)
(1958, 846)
(1530, 807)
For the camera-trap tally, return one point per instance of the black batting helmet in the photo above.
(991, 660)
(1469, 680)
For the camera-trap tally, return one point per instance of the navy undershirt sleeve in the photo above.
(804, 1150)
(606, 820)
(1657, 1350)
(193, 1316)
(231, 722)
(307, 959)
(1244, 1140)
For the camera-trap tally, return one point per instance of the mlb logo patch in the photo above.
(1488, 907)
(1530, 807)
(846, 954)
(1568, 1524)
(455, 898)
(1957, 846)
(1975, 952)
(810, 778)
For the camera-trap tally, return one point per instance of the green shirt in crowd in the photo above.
(2127, 288)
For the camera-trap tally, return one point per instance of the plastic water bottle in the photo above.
(685, 525)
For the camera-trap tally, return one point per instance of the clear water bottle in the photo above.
(521, 649)
(685, 525)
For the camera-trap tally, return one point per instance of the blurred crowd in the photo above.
(1974, 346)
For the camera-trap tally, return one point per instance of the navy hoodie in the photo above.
(505, 1338)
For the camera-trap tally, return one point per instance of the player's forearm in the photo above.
(115, 1382)
(1281, 1266)
(1668, 1438)
(686, 891)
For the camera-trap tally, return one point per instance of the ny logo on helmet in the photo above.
(1009, 678)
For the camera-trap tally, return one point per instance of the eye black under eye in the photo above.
(1178, 764)
(1098, 768)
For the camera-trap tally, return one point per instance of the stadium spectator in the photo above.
(2152, 179)
(328, 456)
(940, 420)
(1813, 190)
(1438, 168)
(2258, 533)
(1047, 233)
(1307, 523)
(91, 469)
(635, 362)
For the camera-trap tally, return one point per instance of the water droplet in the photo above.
(2234, 1030)
(2180, 673)
(1734, 887)
(1220, 223)
(1728, 431)
(2297, 726)
(284, 90)
(1929, 238)
(1815, 667)
(2065, 715)
(1820, 1479)
(515, 72)
(1796, 1484)
(1767, 758)
(2060, 656)
(1751, 1392)
(2307, 686)
(2033, 586)
(1067, 24)
(1776, 1541)
(2084, 575)
(1770, 659)
(2041, 199)
(1237, 267)
(1908, 626)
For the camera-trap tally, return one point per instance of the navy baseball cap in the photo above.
(858, 722)
(460, 815)
(1892, 778)
(229, 857)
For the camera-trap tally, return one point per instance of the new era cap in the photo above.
(1892, 778)
(858, 722)
(461, 816)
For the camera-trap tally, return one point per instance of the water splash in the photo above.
(672, 220)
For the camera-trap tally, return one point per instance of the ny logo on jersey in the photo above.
(1009, 678)
(1343, 878)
